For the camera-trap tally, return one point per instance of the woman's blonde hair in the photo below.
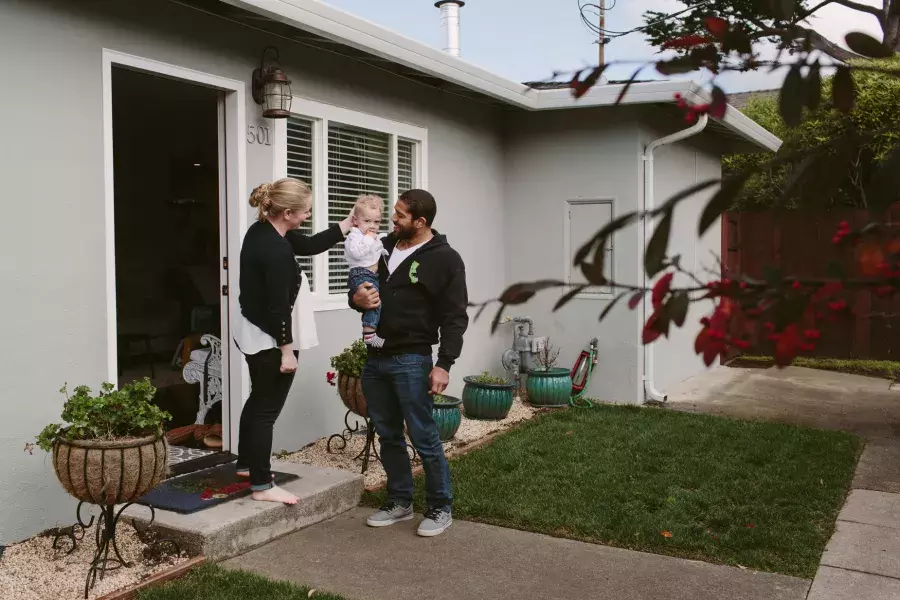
(272, 199)
(370, 201)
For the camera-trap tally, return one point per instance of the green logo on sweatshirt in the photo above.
(414, 272)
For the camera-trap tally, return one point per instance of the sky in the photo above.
(527, 40)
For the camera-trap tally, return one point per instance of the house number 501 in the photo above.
(257, 134)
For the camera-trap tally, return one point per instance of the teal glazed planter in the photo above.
(448, 417)
(488, 401)
(549, 389)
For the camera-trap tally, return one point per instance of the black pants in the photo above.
(269, 389)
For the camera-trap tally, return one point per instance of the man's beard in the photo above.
(406, 234)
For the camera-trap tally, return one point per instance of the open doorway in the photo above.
(169, 252)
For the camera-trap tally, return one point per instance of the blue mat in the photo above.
(203, 489)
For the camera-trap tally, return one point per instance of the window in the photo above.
(583, 219)
(300, 166)
(343, 154)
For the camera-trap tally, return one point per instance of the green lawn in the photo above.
(887, 369)
(210, 582)
(760, 495)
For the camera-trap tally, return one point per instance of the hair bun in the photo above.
(260, 196)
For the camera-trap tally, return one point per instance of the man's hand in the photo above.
(366, 297)
(439, 379)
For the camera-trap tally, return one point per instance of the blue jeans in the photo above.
(359, 276)
(396, 390)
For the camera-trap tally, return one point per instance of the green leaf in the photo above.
(610, 306)
(813, 86)
(669, 204)
(720, 202)
(600, 237)
(843, 89)
(654, 259)
(628, 85)
(866, 45)
(678, 307)
(793, 97)
(677, 66)
(519, 293)
(884, 183)
(567, 297)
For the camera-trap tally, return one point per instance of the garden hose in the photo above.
(577, 400)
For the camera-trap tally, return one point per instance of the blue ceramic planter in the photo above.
(448, 417)
(549, 389)
(488, 401)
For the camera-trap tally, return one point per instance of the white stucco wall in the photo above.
(553, 158)
(677, 167)
(53, 238)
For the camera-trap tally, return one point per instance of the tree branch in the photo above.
(822, 44)
(872, 10)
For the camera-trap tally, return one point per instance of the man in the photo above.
(423, 290)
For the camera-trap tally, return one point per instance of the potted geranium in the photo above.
(487, 397)
(547, 385)
(111, 448)
(447, 416)
(348, 366)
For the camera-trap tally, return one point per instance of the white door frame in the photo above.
(233, 104)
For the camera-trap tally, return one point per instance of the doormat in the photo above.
(203, 489)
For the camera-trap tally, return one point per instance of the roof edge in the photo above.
(348, 29)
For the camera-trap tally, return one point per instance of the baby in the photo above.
(363, 249)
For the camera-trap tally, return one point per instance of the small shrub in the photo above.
(488, 379)
(352, 360)
(112, 415)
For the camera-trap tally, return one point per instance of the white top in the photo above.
(398, 256)
(251, 339)
(361, 250)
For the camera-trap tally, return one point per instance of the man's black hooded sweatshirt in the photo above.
(425, 294)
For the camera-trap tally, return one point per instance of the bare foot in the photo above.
(276, 494)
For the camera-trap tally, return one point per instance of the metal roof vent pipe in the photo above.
(450, 24)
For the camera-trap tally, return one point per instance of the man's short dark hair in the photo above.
(421, 204)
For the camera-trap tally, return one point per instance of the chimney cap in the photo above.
(439, 3)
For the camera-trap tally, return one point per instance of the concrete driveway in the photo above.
(863, 405)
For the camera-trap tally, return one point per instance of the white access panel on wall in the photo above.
(583, 218)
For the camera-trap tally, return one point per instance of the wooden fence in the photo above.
(800, 243)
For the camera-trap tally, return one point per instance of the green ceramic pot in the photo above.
(448, 417)
(549, 389)
(489, 401)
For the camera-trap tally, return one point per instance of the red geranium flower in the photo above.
(329, 377)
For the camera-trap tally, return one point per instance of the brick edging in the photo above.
(157, 578)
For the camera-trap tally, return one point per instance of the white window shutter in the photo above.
(300, 166)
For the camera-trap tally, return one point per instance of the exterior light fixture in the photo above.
(272, 88)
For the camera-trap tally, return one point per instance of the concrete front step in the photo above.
(235, 527)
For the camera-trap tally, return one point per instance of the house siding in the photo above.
(676, 167)
(552, 158)
(52, 177)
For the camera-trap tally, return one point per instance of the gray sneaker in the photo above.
(389, 514)
(435, 523)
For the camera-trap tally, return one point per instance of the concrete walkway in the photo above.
(473, 561)
(862, 559)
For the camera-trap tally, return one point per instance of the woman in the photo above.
(264, 331)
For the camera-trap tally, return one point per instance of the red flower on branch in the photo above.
(661, 289)
(716, 26)
(329, 377)
(788, 344)
(713, 340)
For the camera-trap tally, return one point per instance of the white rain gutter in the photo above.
(649, 203)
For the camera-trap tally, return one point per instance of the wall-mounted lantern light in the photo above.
(272, 88)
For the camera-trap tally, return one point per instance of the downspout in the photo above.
(649, 203)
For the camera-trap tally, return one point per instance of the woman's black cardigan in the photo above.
(270, 276)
